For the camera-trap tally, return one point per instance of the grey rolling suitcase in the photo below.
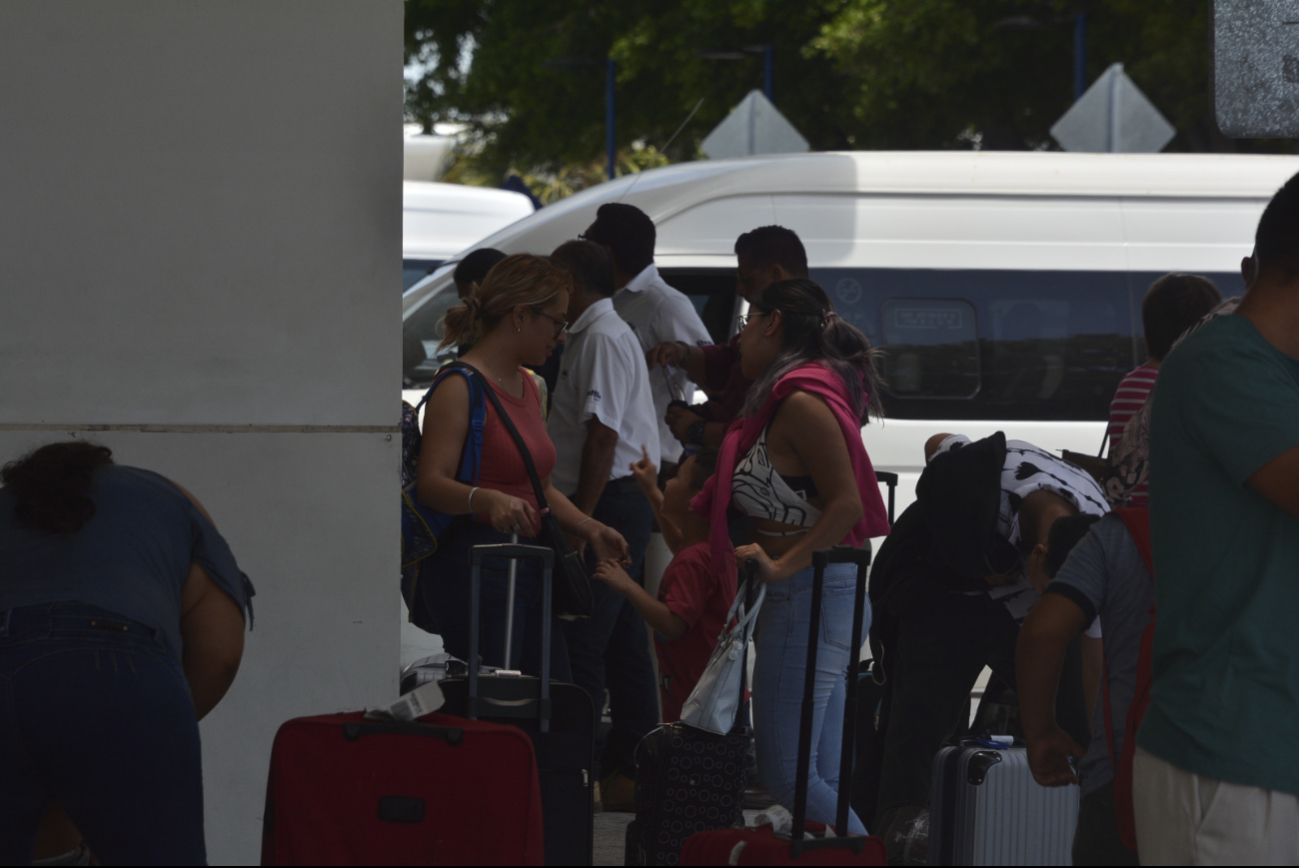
(986, 809)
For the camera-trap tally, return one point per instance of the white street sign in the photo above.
(1113, 116)
(755, 126)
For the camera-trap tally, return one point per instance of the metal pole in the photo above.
(1079, 55)
(509, 605)
(767, 73)
(610, 139)
(1116, 74)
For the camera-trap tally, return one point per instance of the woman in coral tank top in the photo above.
(515, 317)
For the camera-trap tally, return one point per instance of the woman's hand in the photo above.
(607, 543)
(645, 473)
(612, 574)
(508, 514)
(768, 570)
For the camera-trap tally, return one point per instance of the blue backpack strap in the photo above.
(441, 375)
(472, 454)
(471, 460)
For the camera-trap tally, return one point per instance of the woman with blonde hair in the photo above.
(515, 317)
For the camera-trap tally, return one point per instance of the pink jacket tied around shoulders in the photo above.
(816, 379)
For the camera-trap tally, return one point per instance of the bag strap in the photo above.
(470, 460)
(743, 590)
(542, 506)
(1137, 518)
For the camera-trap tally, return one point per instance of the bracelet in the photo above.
(471, 500)
(582, 522)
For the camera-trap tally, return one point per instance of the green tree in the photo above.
(529, 76)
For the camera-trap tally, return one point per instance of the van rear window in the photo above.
(984, 344)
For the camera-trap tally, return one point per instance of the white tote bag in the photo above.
(716, 699)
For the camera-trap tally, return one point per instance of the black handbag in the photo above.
(570, 596)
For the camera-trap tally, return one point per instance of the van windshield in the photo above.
(421, 333)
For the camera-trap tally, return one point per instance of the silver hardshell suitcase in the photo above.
(986, 809)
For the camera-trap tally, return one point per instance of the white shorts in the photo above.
(1187, 819)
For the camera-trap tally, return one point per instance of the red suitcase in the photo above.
(759, 845)
(443, 790)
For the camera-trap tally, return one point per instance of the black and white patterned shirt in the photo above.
(1029, 469)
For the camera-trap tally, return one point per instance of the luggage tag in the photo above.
(996, 742)
(425, 699)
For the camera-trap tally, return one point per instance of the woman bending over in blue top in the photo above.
(121, 625)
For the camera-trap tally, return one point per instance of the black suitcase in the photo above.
(557, 716)
(688, 780)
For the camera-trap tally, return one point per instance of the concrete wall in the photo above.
(200, 209)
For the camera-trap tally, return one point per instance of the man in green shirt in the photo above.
(1216, 777)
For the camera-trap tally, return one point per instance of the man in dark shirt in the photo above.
(764, 256)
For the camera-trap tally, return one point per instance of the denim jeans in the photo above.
(611, 648)
(96, 713)
(445, 584)
(779, 676)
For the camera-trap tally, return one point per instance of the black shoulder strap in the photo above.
(542, 506)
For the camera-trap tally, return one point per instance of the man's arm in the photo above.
(597, 463)
(1043, 639)
(680, 419)
(679, 354)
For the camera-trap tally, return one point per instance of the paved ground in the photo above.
(610, 832)
(610, 829)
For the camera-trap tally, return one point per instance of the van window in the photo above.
(985, 344)
(933, 348)
(712, 291)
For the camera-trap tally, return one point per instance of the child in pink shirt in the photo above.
(693, 599)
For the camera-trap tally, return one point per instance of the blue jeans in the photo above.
(444, 584)
(96, 713)
(611, 648)
(779, 675)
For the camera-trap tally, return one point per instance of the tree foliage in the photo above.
(529, 75)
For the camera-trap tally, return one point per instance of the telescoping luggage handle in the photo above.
(891, 480)
(512, 552)
(861, 557)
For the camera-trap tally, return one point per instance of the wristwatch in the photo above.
(695, 433)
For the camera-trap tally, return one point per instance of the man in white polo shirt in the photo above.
(601, 417)
(655, 311)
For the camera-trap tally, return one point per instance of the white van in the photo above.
(440, 220)
(1004, 289)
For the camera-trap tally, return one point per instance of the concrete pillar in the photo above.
(200, 218)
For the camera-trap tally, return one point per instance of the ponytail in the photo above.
(813, 331)
(518, 280)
